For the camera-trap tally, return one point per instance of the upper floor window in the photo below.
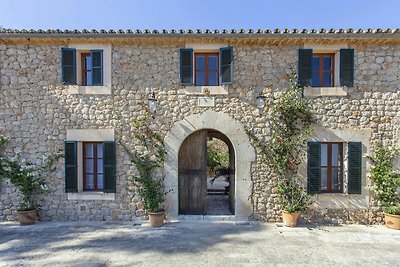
(82, 67)
(323, 69)
(206, 69)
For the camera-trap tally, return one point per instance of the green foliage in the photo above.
(217, 156)
(25, 176)
(394, 210)
(386, 180)
(294, 198)
(146, 161)
(290, 127)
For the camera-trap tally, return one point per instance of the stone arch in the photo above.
(244, 156)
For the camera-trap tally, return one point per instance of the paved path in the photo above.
(196, 244)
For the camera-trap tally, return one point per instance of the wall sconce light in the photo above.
(153, 104)
(260, 101)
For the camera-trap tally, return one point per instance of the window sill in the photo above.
(324, 91)
(91, 196)
(89, 90)
(202, 90)
(340, 201)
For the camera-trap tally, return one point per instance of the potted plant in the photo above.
(293, 199)
(147, 160)
(386, 183)
(27, 178)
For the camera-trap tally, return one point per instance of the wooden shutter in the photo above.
(354, 167)
(305, 66)
(97, 66)
(347, 67)
(68, 66)
(186, 66)
(109, 167)
(71, 166)
(314, 167)
(226, 65)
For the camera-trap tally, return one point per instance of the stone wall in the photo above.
(36, 111)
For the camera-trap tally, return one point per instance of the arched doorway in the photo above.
(244, 155)
(199, 193)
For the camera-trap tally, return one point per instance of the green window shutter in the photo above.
(314, 167)
(186, 66)
(305, 66)
(354, 167)
(71, 166)
(347, 67)
(109, 167)
(226, 65)
(68, 66)
(97, 66)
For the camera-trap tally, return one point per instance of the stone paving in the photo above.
(196, 244)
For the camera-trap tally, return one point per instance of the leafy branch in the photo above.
(147, 160)
(290, 127)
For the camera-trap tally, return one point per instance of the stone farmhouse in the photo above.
(80, 91)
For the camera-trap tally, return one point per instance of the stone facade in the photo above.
(36, 111)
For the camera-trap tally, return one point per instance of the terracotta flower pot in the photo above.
(157, 218)
(392, 221)
(27, 217)
(290, 218)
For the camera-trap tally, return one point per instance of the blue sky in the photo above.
(200, 14)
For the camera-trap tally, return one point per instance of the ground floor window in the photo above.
(325, 172)
(331, 167)
(92, 166)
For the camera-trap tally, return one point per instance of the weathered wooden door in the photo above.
(232, 179)
(192, 180)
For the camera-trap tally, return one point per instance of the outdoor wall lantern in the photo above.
(260, 101)
(153, 104)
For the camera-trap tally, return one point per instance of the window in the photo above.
(325, 167)
(92, 166)
(82, 67)
(323, 70)
(331, 167)
(206, 69)
(326, 69)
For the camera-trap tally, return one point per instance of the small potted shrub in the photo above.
(26, 177)
(293, 199)
(147, 160)
(386, 183)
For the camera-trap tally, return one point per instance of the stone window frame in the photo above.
(88, 135)
(205, 90)
(342, 200)
(106, 88)
(336, 89)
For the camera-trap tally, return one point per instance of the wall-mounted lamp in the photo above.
(260, 101)
(153, 104)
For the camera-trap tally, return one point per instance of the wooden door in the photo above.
(231, 179)
(192, 185)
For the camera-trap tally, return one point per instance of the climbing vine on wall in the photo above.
(148, 156)
(290, 127)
